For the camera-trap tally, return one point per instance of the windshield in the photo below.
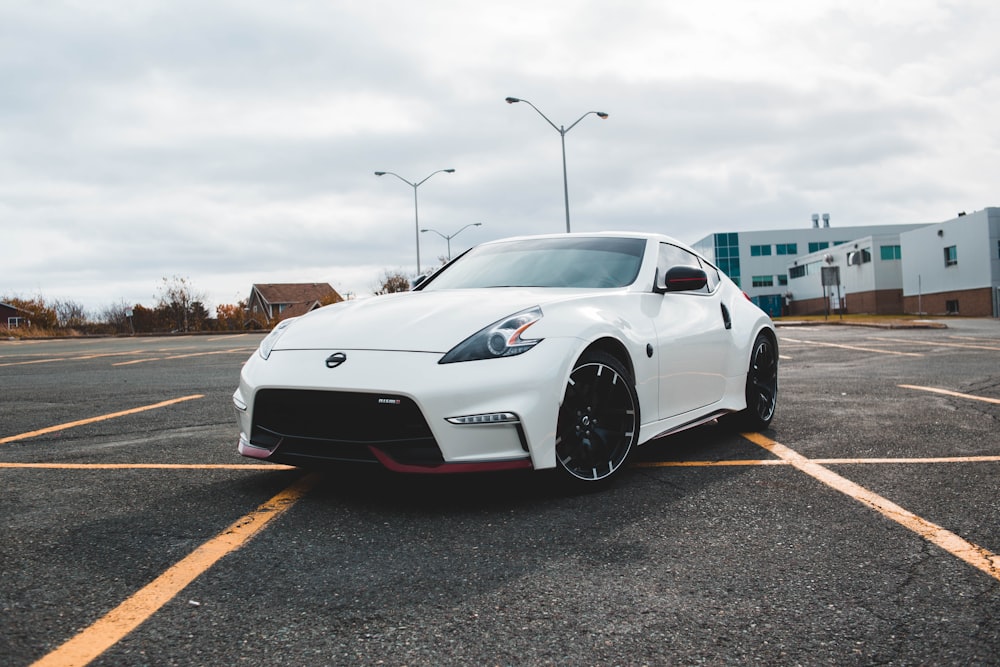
(551, 262)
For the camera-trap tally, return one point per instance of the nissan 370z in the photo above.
(540, 352)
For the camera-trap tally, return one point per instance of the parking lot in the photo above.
(862, 528)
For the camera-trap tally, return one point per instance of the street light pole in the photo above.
(416, 213)
(449, 237)
(562, 134)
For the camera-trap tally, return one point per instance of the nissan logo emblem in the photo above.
(335, 359)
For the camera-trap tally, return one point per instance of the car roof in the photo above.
(609, 234)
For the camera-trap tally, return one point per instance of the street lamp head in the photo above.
(601, 114)
(449, 171)
(511, 100)
(380, 173)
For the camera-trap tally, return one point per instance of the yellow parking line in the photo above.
(709, 464)
(82, 357)
(136, 361)
(91, 420)
(966, 346)
(244, 350)
(932, 459)
(202, 354)
(781, 462)
(972, 554)
(948, 392)
(130, 614)
(148, 466)
(852, 347)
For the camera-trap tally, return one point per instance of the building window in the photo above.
(797, 271)
(727, 255)
(951, 255)
(890, 252)
(14, 322)
(818, 245)
(760, 250)
(763, 281)
(782, 279)
(787, 248)
(859, 257)
(951, 306)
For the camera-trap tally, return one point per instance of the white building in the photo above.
(861, 276)
(935, 268)
(758, 261)
(954, 266)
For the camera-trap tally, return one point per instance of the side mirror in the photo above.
(683, 279)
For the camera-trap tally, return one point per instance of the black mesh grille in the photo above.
(310, 425)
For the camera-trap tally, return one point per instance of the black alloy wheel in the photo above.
(598, 420)
(762, 384)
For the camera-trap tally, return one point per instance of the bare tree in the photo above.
(177, 301)
(116, 316)
(392, 282)
(69, 314)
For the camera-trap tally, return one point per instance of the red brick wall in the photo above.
(971, 303)
(879, 302)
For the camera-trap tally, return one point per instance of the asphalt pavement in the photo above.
(862, 528)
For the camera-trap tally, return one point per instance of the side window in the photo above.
(671, 256)
(713, 275)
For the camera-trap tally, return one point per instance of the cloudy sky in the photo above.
(235, 142)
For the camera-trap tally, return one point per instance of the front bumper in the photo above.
(526, 390)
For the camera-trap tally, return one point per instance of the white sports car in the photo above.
(563, 351)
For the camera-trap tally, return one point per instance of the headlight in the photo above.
(500, 339)
(271, 339)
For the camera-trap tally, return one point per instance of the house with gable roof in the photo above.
(273, 302)
(12, 317)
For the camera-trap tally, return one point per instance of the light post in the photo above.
(449, 237)
(416, 215)
(562, 133)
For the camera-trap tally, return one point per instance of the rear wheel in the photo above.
(598, 420)
(762, 385)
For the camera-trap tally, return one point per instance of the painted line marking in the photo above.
(91, 420)
(781, 462)
(185, 356)
(948, 392)
(972, 554)
(86, 357)
(82, 357)
(639, 464)
(130, 614)
(149, 466)
(852, 347)
(977, 339)
(941, 344)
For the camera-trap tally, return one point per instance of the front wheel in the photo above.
(599, 419)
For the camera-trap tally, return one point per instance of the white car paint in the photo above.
(687, 366)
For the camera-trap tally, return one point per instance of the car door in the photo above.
(693, 339)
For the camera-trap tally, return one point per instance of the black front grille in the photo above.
(314, 426)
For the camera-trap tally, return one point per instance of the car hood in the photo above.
(413, 321)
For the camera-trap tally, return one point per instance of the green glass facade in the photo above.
(727, 255)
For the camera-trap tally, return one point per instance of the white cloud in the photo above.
(234, 142)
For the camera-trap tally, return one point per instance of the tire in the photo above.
(598, 421)
(761, 387)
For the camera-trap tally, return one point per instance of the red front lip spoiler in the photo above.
(448, 468)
